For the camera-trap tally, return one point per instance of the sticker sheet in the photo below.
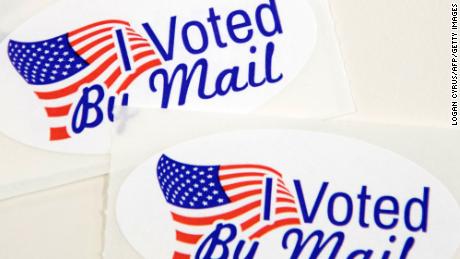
(67, 70)
(64, 79)
(255, 187)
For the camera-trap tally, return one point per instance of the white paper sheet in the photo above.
(25, 169)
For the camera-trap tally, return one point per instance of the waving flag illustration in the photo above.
(108, 53)
(199, 196)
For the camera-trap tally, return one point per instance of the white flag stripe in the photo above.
(88, 53)
(254, 169)
(241, 179)
(242, 190)
(94, 29)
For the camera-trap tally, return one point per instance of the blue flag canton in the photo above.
(190, 186)
(45, 62)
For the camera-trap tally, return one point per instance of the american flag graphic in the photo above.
(201, 195)
(108, 52)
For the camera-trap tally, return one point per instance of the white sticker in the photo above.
(285, 194)
(66, 68)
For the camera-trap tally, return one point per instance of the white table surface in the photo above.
(397, 59)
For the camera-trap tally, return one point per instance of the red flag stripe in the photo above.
(58, 111)
(138, 72)
(137, 39)
(187, 238)
(139, 45)
(280, 199)
(113, 77)
(134, 34)
(285, 193)
(250, 222)
(100, 52)
(242, 166)
(90, 26)
(143, 54)
(283, 187)
(282, 210)
(59, 133)
(178, 255)
(89, 35)
(91, 45)
(241, 184)
(203, 221)
(245, 195)
(237, 175)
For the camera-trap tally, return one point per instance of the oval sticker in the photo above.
(65, 70)
(285, 194)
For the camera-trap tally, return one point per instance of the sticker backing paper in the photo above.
(65, 79)
(268, 187)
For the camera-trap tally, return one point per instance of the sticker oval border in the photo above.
(348, 153)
